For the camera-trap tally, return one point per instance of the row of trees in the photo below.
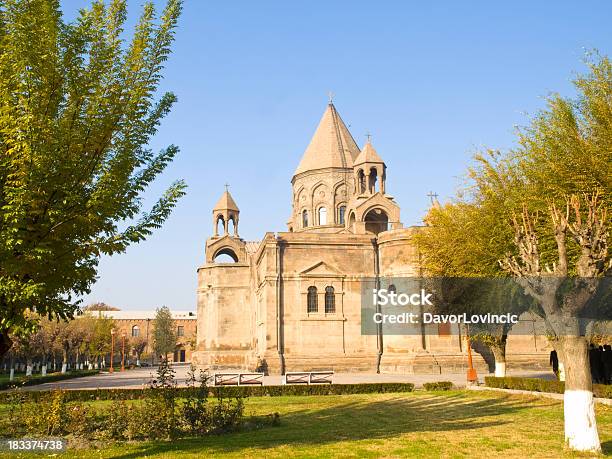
(541, 214)
(84, 343)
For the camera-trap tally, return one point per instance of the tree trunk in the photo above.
(65, 361)
(5, 342)
(499, 352)
(578, 404)
(28, 366)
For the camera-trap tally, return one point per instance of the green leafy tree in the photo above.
(77, 110)
(164, 334)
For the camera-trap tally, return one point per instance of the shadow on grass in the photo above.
(355, 421)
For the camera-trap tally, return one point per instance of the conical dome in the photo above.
(368, 155)
(226, 202)
(331, 145)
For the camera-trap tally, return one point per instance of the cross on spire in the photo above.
(331, 95)
(226, 186)
(368, 136)
(432, 196)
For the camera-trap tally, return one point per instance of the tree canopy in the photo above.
(565, 150)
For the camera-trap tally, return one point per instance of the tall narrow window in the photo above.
(322, 216)
(372, 181)
(135, 331)
(341, 214)
(330, 300)
(180, 331)
(304, 218)
(312, 299)
(361, 181)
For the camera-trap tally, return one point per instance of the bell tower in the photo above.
(369, 171)
(371, 210)
(225, 211)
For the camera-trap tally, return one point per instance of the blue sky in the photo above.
(432, 81)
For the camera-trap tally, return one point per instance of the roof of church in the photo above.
(251, 246)
(332, 145)
(226, 202)
(368, 155)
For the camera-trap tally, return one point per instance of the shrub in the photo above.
(48, 417)
(438, 385)
(115, 421)
(530, 384)
(82, 420)
(226, 415)
(541, 385)
(158, 413)
(195, 416)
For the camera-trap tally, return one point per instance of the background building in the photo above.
(137, 324)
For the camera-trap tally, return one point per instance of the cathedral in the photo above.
(292, 301)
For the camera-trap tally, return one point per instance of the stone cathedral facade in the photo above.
(292, 301)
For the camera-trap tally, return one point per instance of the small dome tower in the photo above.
(226, 210)
(370, 171)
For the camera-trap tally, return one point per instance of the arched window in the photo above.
(361, 181)
(304, 219)
(135, 331)
(322, 216)
(225, 255)
(392, 289)
(341, 214)
(330, 300)
(231, 226)
(373, 178)
(376, 221)
(220, 225)
(311, 299)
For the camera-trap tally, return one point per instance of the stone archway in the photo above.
(225, 255)
(376, 221)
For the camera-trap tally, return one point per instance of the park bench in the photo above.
(309, 377)
(238, 379)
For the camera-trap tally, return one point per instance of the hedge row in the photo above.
(438, 385)
(541, 385)
(37, 379)
(85, 395)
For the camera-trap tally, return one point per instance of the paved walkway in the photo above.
(139, 378)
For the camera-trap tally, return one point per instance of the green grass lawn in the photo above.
(420, 424)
